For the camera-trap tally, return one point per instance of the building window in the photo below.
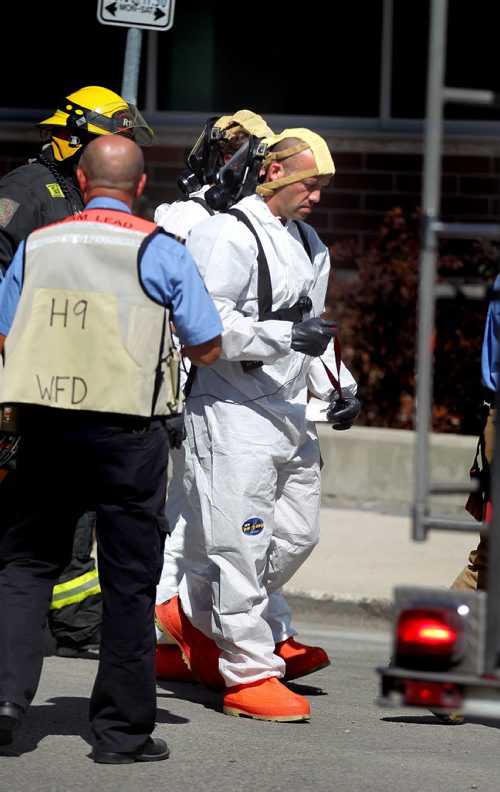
(364, 63)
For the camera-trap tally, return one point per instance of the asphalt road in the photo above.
(350, 745)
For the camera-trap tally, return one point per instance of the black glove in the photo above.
(343, 412)
(176, 430)
(311, 336)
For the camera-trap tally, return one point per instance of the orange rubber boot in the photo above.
(300, 659)
(266, 699)
(200, 653)
(171, 666)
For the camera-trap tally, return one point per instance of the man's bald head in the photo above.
(111, 165)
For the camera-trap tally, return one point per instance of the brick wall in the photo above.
(374, 174)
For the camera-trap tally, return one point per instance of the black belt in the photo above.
(36, 414)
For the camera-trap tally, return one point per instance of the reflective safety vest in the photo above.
(85, 335)
(75, 590)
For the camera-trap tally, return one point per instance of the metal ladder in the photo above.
(433, 228)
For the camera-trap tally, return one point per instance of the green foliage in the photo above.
(373, 295)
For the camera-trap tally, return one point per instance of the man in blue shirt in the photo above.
(85, 312)
(42, 191)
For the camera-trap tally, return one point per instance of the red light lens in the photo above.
(432, 694)
(425, 630)
(429, 637)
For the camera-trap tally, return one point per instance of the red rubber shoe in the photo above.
(200, 653)
(266, 699)
(300, 659)
(171, 666)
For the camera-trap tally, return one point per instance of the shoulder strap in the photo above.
(305, 241)
(264, 286)
(157, 231)
(174, 236)
(264, 289)
(199, 200)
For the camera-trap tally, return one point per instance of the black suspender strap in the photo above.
(264, 289)
(264, 286)
(305, 241)
(199, 200)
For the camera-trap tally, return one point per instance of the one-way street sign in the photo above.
(148, 14)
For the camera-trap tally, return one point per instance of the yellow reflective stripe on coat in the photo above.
(75, 590)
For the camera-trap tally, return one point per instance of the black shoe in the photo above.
(151, 751)
(11, 718)
(77, 650)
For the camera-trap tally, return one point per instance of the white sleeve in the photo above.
(161, 212)
(179, 217)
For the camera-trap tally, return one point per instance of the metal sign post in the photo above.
(131, 65)
(137, 15)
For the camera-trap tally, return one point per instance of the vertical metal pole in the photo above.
(426, 301)
(152, 72)
(131, 65)
(386, 62)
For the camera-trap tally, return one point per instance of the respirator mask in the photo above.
(239, 176)
(202, 160)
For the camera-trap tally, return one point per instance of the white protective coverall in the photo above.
(185, 546)
(252, 471)
(180, 216)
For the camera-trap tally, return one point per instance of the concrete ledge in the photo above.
(368, 465)
(327, 609)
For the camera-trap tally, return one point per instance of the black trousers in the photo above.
(79, 623)
(119, 467)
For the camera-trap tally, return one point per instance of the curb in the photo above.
(330, 608)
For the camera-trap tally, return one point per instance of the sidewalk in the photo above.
(362, 555)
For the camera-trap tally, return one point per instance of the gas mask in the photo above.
(239, 176)
(202, 159)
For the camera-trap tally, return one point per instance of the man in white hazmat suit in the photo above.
(252, 457)
(182, 548)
